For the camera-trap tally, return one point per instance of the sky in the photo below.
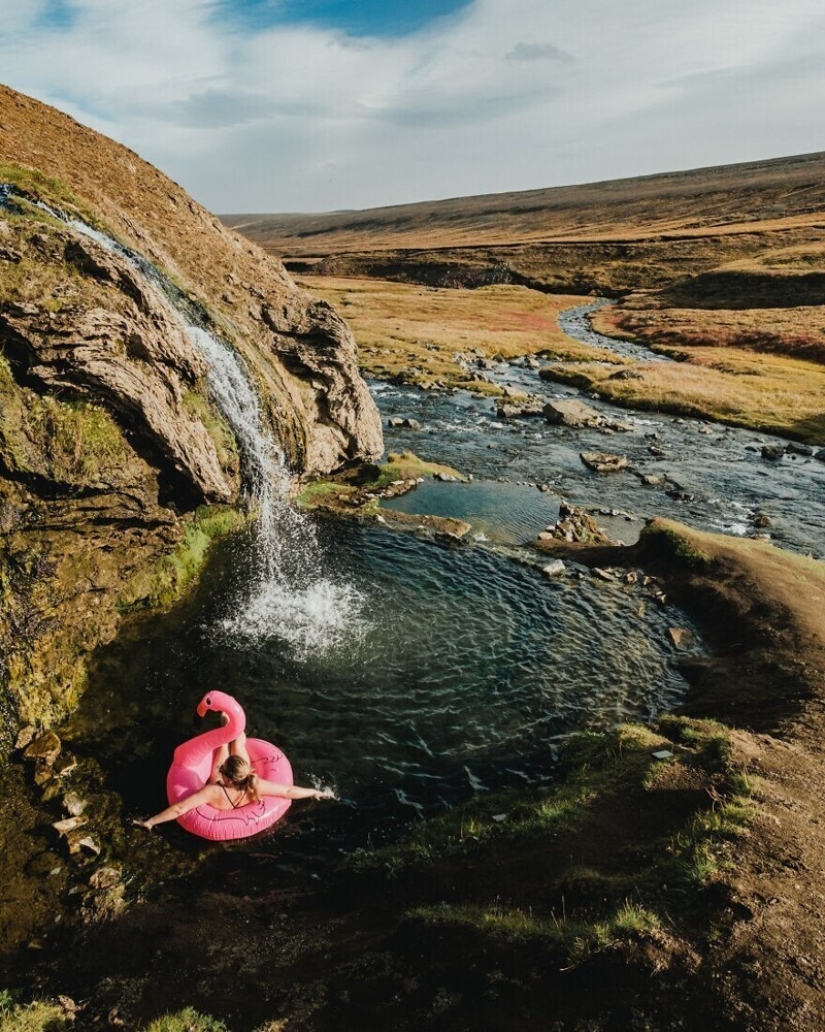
(321, 105)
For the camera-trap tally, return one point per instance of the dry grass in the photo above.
(770, 393)
(796, 332)
(785, 194)
(413, 331)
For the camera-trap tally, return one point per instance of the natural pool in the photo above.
(455, 671)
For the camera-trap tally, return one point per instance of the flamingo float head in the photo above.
(223, 703)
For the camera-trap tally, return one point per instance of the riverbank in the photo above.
(447, 338)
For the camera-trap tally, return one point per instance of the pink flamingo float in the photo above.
(192, 766)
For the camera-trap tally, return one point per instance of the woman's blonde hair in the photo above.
(240, 773)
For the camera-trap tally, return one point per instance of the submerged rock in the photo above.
(571, 412)
(681, 637)
(772, 452)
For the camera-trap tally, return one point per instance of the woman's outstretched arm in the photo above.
(203, 795)
(273, 788)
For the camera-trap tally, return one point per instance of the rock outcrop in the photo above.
(110, 438)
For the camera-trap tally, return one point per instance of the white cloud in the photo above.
(507, 94)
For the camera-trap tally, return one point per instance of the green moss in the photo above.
(408, 466)
(323, 493)
(199, 406)
(64, 441)
(175, 573)
(370, 480)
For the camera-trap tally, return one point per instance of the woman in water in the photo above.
(233, 784)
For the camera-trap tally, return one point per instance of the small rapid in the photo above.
(705, 474)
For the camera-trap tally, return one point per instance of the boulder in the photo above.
(554, 569)
(44, 750)
(575, 525)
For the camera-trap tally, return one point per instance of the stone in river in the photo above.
(571, 413)
(772, 452)
(681, 637)
(603, 462)
(554, 569)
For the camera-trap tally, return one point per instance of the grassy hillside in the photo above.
(784, 195)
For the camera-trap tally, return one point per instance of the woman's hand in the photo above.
(143, 824)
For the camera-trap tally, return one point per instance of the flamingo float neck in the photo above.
(197, 749)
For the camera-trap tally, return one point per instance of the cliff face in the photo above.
(110, 441)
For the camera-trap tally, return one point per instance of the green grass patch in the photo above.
(370, 480)
(408, 466)
(673, 546)
(38, 1016)
(44, 188)
(591, 765)
(575, 939)
(622, 836)
(186, 1020)
(324, 493)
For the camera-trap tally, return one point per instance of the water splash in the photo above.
(289, 598)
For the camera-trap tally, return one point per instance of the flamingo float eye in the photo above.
(208, 700)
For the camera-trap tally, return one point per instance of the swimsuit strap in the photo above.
(233, 805)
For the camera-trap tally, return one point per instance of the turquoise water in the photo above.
(504, 513)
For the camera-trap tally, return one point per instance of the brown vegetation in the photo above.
(722, 268)
(428, 335)
(787, 194)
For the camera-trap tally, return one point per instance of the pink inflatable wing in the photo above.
(192, 765)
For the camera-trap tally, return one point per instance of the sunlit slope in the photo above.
(785, 194)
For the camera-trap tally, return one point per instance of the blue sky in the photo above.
(316, 105)
(377, 18)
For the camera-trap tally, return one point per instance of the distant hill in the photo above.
(783, 193)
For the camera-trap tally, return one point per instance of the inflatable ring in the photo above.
(192, 766)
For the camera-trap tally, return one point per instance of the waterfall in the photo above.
(289, 597)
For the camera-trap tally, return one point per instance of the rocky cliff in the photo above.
(116, 464)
